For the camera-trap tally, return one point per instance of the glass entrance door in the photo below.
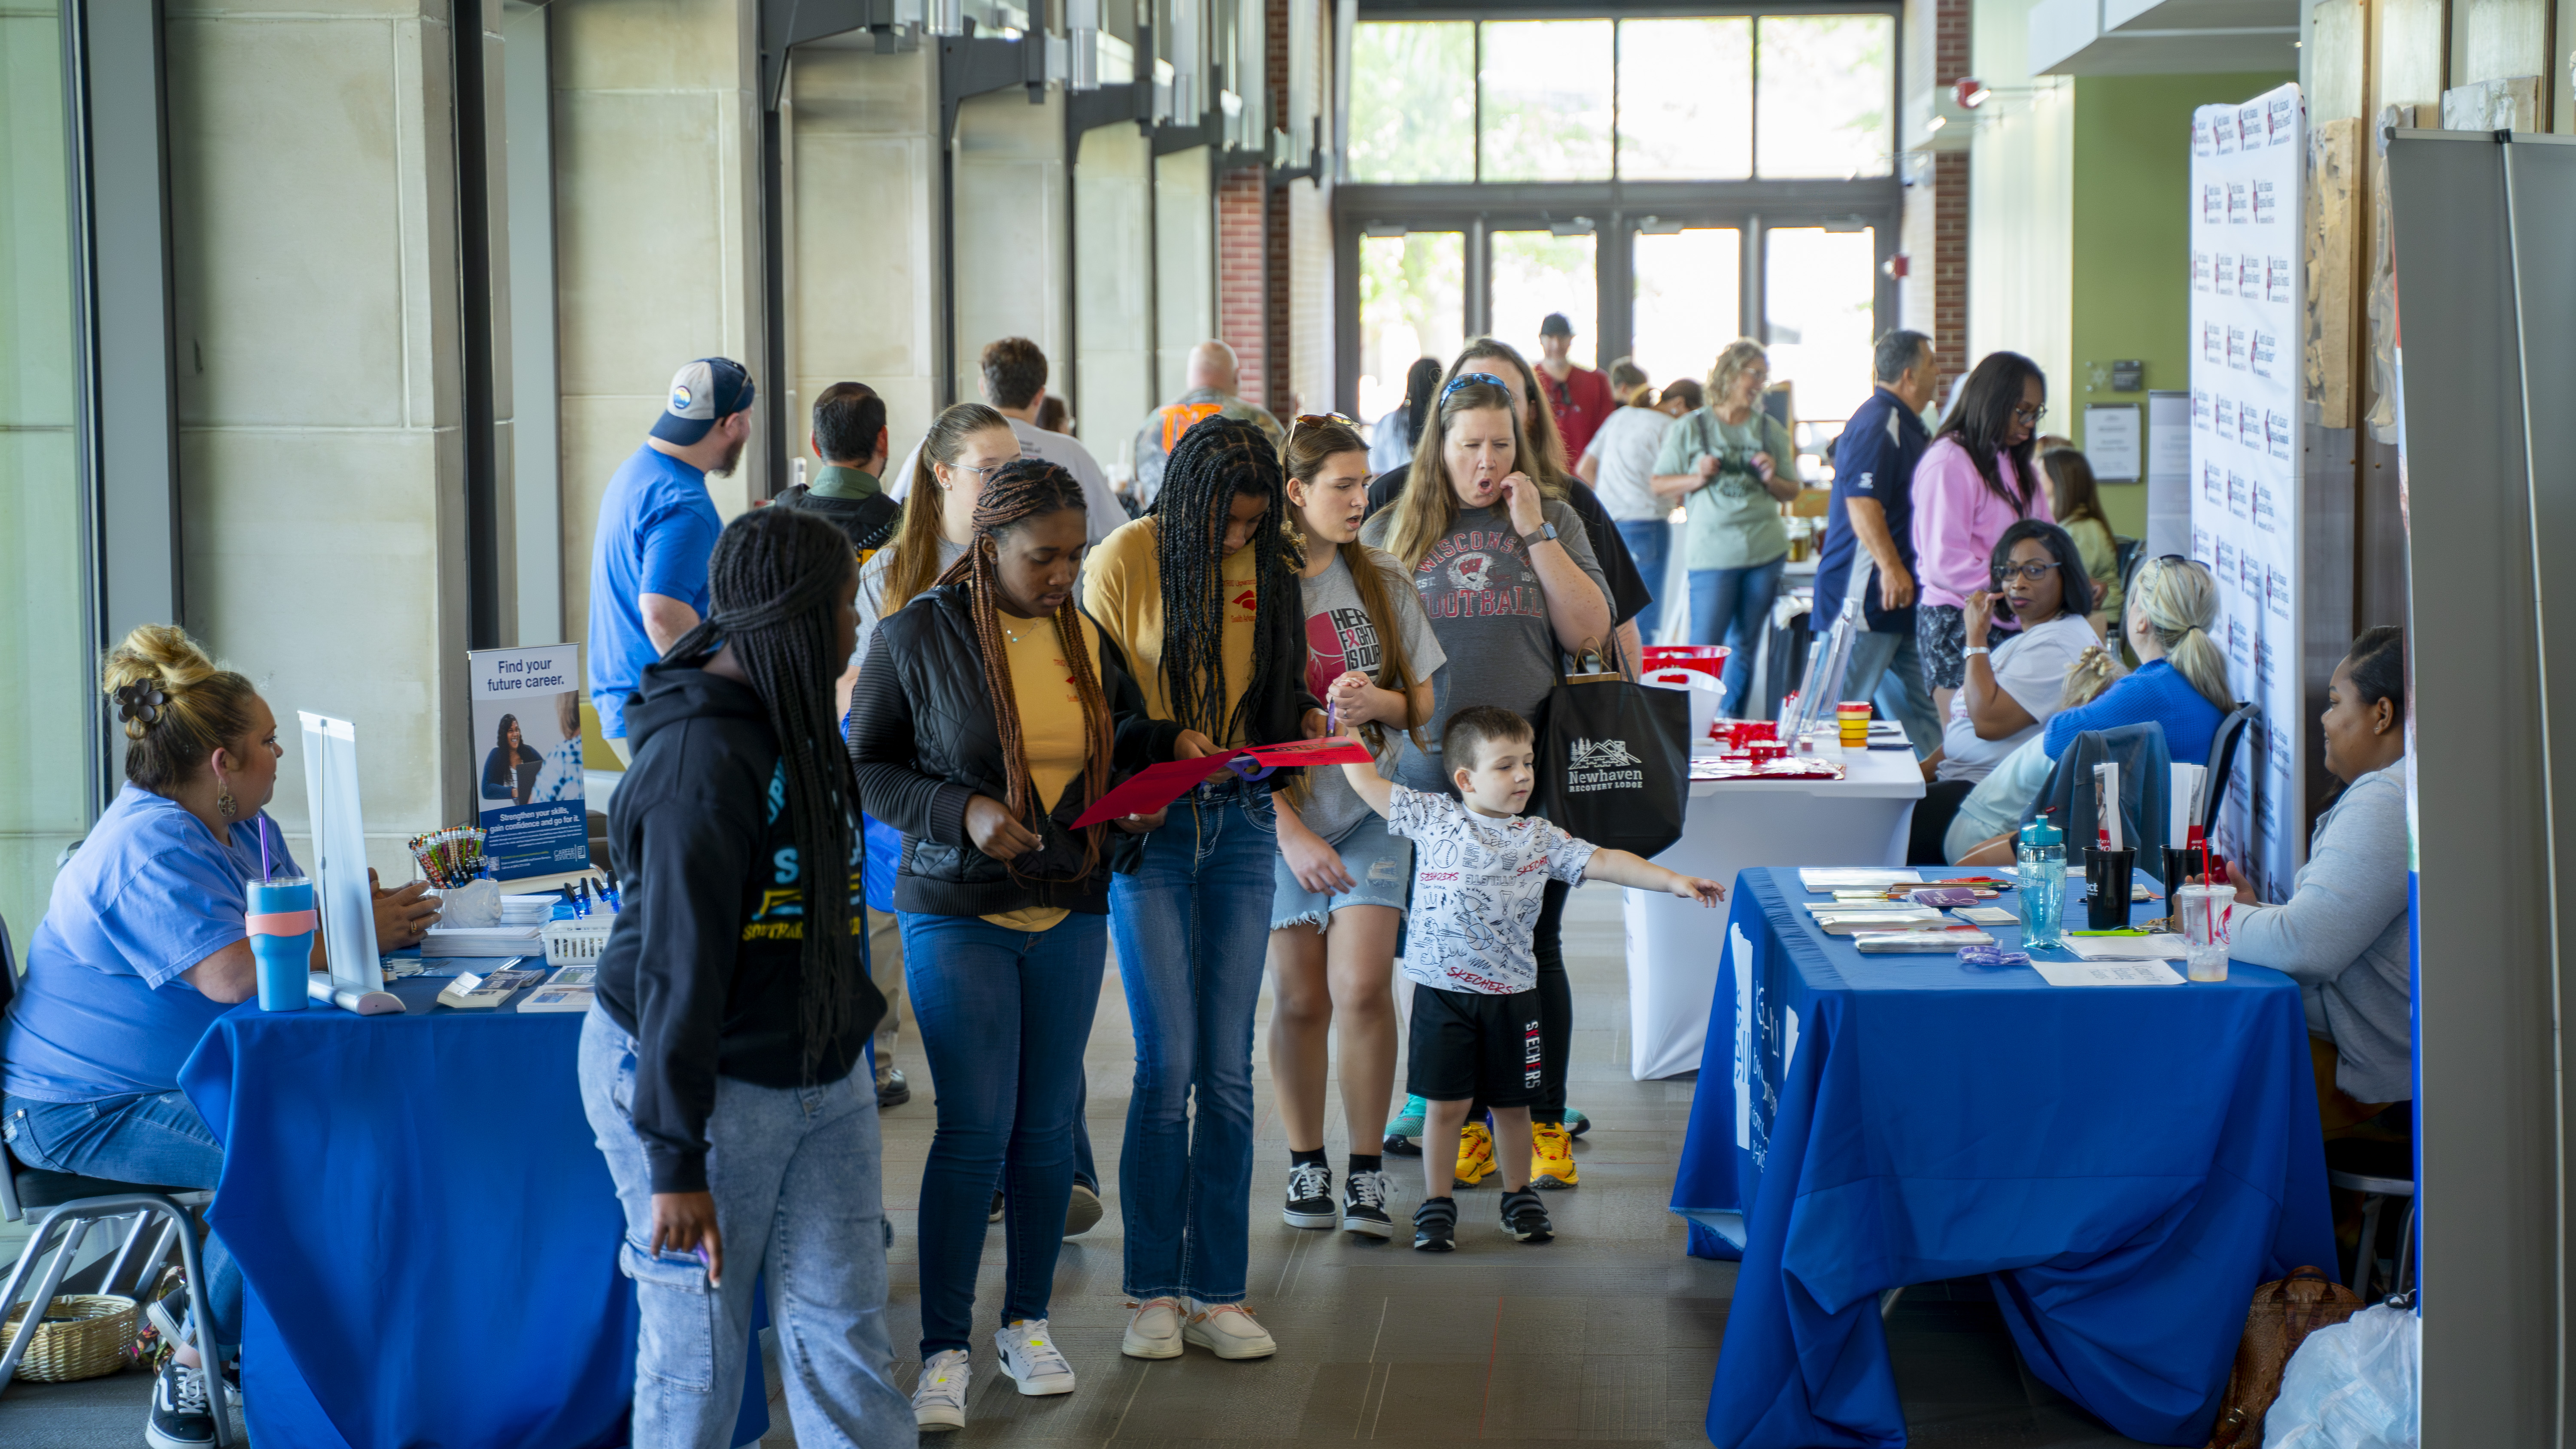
(1535, 273)
(1689, 300)
(1413, 303)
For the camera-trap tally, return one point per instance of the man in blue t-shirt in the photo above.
(1872, 512)
(657, 528)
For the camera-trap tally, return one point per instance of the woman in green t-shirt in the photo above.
(1736, 465)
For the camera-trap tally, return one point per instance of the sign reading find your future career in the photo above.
(527, 731)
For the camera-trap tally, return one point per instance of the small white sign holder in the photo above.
(357, 979)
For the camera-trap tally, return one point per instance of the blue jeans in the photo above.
(1887, 665)
(154, 1139)
(1193, 928)
(1732, 607)
(795, 1177)
(1004, 1016)
(1650, 543)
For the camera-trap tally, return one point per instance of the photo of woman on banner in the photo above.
(510, 771)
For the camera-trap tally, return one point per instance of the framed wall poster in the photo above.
(528, 794)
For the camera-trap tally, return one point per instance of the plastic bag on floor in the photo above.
(2351, 1385)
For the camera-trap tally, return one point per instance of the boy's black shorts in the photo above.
(1469, 1046)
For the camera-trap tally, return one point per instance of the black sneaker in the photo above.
(1364, 1205)
(1395, 1146)
(1525, 1217)
(1310, 1197)
(995, 1215)
(180, 1418)
(892, 1089)
(1435, 1225)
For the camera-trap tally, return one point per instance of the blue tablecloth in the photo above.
(2127, 1163)
(426, 1228)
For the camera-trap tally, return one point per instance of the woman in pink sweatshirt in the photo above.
(1975, 481)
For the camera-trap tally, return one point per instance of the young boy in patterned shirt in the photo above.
(1479, 868)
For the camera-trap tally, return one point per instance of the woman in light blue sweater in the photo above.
(2342, 933)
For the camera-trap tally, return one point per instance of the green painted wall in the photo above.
(2131, 290)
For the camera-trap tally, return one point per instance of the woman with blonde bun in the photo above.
(143, 945)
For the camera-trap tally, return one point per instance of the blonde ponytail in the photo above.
(2178, 600)
(2093, 671)
(175, 706)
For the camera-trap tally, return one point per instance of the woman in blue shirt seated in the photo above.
(2181, 684)
(142, 947)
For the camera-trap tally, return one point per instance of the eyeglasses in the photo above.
(1466, 379)
(2034, 572)
(1312, 420)
(2030, 415)
(983, 476)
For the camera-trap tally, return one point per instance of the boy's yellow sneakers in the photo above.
(1551, 1156)
(1475, 1154)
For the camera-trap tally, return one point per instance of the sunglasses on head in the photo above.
(1465, 379)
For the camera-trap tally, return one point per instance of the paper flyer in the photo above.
(528, 793)
(2247, 319)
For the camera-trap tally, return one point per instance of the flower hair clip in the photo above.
(140, 701)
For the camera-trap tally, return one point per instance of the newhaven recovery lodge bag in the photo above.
(1613, 759)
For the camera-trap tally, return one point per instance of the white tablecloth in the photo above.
(1674, 946)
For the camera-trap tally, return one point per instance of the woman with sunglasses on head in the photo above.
(990, 716)
(2014, 684)
(1735, 464)
(1201, 597)
(1341, 878)
(1975, 481)
(1507, 576)
(1545, 460)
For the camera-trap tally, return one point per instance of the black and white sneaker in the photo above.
(1435, 1225)
(1525, 1217)
(1310, 1197)
(1364, 1205)
(181, 1418)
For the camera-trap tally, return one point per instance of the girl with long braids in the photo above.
(1202, 595)
(989, 716)
(1341, 879)
(1508, 576)
(718, 1068)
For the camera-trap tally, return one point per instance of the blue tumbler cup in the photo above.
(281, 922)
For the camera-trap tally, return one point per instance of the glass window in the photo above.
(1545, 86)
(1690, 293)
(1413, 303)
(1686, 99)
(1413, 101)
(1826, 96)
(1817, 293)
(1536, 273)
(47, 714)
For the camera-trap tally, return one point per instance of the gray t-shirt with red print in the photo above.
(1490, 615)
(1341, 637)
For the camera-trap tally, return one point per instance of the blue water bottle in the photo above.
(2041, 866)
(280, 925)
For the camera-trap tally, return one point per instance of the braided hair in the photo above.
(1217, 459)
(1018, 495)
(776, 578)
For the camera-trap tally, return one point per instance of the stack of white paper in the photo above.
(2165, 946)
(1822, 878)
(482, 941)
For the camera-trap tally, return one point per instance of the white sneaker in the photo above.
(1229, 1330)
(1030, 1359)
(939, 1400)
(1155, 1331)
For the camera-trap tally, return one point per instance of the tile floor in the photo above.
(1609, 1334)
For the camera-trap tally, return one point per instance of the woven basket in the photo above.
(97, 1342)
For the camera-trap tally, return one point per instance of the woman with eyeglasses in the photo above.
(1341, 881)
(1975, 481)
(2012, 686)
(1734, 464)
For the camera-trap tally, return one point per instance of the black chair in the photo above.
(2379, 1171)
(73, 1205)
(2222, 759)
(2124, 562)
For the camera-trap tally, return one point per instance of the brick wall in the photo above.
(1241, 266)
(1950, 201)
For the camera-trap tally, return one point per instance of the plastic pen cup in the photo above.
(2109, 873)
(2200, 914)
(1852, 716)
(280, 923)
(2182, 865)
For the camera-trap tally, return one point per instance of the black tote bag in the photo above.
(1614, 760)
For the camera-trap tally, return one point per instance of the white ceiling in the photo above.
(2162, 37)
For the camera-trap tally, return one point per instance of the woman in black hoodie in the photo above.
(718, 1069)
(989, 715)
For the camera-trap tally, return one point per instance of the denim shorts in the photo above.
(1380, 866)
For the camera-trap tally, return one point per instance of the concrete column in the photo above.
(864, 258)
(657, 235)
(1113, 338)
(313, 182)
(1011, 230)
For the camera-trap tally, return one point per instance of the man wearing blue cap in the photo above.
(657, 528)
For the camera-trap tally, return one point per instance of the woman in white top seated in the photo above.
(2013, 685)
